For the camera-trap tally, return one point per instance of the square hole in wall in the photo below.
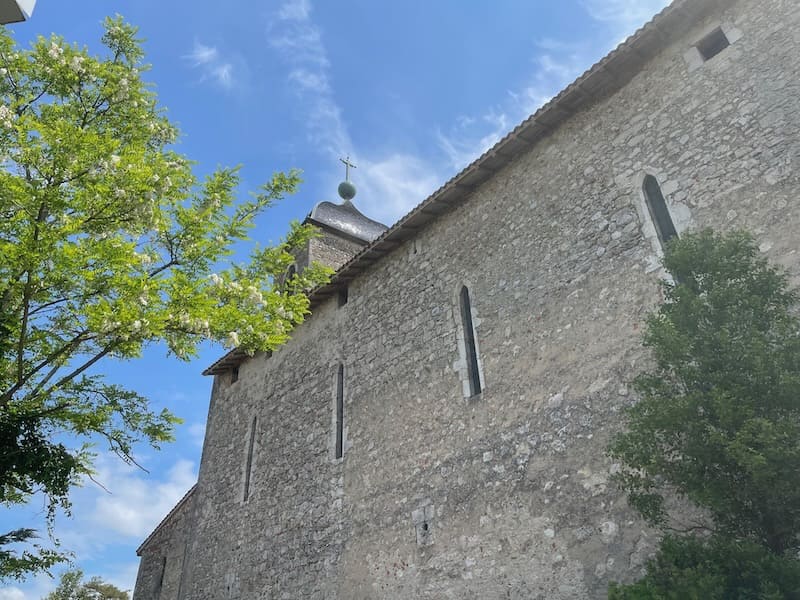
(714, 43)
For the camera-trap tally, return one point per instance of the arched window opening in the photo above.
(659, 213)
(339, 450)
(473, 375)
(249, 464)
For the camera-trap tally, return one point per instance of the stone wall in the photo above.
(163, 554)
(505, 495)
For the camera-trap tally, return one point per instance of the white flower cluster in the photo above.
(55, 51)
(124, 90)
(76, 64)
(233, 339)
(6, 116)
(109, 326)
(285, 314)
(254, 295)
(145, 258)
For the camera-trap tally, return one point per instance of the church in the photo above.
(436, 428)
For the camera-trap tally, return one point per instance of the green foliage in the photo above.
(15, 564)
(719, 416)
(718, 423)
(717, 569)
(109, 244)
(72, 587)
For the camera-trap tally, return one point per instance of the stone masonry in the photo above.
(505, 494)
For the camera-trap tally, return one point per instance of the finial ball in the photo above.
(347, 191)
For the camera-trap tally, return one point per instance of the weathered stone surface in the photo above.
(560, 258)
(164, 552)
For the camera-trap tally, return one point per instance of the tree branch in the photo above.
(75, 372)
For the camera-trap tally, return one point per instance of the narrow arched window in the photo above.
(249, 464)
(659, 213)
(339, 448)
(473, 374)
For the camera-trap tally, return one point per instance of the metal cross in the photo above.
(347, 165)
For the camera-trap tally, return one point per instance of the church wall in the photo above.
(161, 565)
(332, 250)
(561, 264)
(554, 253)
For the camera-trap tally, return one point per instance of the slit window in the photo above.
(234, 374)
(249, 464)
(659, 213)
(339, 449)
(161, 575)
(714, 43)
(342, 296)
(473, 375)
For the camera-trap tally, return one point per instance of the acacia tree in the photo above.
(72, 587)
(718, 424)
(108, 243)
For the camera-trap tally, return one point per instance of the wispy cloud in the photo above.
(209, 61)
(623, 16)
(389, 185)
(298, 41)
(555, 65)
(296, 10)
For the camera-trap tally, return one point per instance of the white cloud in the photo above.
(472, 137)
(298, 41)
(135, 503)
(35, 587)
(393, 186)
(556, 64)
(295, 10)
(624, 16)
(212, 65)
(202, 54)
(309, 81)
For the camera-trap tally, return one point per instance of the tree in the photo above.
(718, 421)
(72, 587)
(109, 244)
(717, 568)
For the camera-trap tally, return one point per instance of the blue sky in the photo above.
(413, 91)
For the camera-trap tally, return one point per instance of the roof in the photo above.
(175, 509)
(604, 78)
(347, 219)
